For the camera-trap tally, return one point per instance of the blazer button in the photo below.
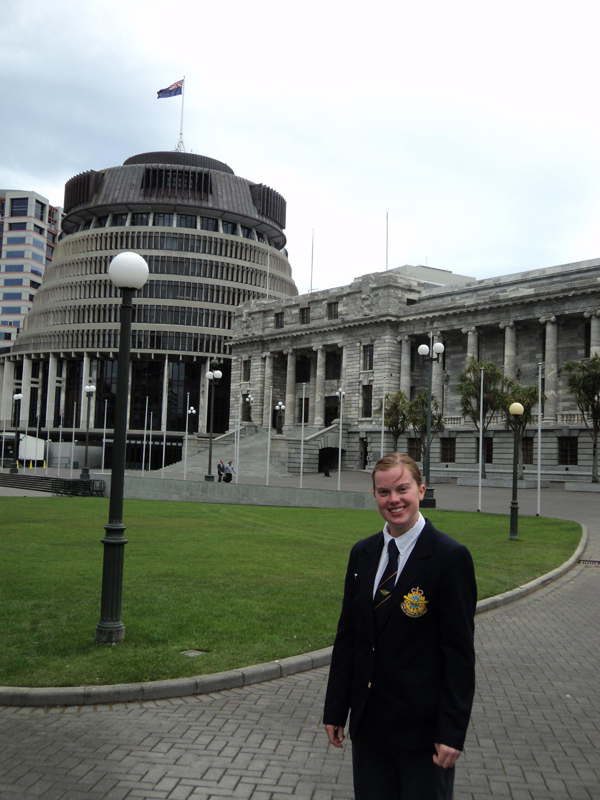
(369, 684)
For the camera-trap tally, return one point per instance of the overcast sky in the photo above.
(474, 125)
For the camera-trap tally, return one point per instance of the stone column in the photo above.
(472, 342)
(25, 391)
(551, 370)
(405, 365)
(312, 388)
(8, 389)
(290, 389)
(437, 383)
(510, 349)
(594, 318)
(266, 420)
(51, 393)
(320, 388)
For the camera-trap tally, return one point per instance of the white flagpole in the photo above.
(480, 439)
(59, 444)
(37, 436)
(3, 435)
(73, 437)
(539, 464)
(382, 418)
(144, 440)
(47, 448)
(312, 259)
(150, 443)
(104, 435)
(269, 433)
(162, 472)
(302, 434)
(180, 144)
(187, 416)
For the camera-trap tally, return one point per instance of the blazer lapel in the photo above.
(367, 581)
(413, 568)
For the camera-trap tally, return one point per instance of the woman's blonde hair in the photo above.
(393, 460)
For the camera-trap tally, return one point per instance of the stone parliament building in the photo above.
(356, 337)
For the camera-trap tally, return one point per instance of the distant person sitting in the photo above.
(221, 470)
(229, 472)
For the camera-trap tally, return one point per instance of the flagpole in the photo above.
(180, 145)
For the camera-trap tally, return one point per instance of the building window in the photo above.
(448, 451)
(12, 296)
(587, 339)
(15, 254)
(333, 365)
(332, 310)
(246, 232)
(367, 356)
(14, 268)
(39, 229)
(163, 220)
(488, 450)
(414, 449)
(40, 210)
(33, 270)
(14, 282)
(15, 240)
(568, 451)
(186, 220)
(37, 257)
(118, 220)
(19, 207)
(304, 316)
(33, 284)
(246, 365)
(303, 407)
(209, 224)
(229, 227)
(367, 400)
(279, 319)
(140, 219)
(101, 222)
(527, 450)
(11, 309)
(17, 226)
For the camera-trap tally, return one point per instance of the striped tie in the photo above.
(388, 579)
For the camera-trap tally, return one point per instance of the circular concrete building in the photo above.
(212, 240)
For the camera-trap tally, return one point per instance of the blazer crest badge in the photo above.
(415, 604)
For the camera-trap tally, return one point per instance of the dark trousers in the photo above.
(382, 772)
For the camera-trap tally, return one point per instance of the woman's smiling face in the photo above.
(397, 495)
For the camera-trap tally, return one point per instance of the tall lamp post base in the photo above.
(428, 500)
(210, 478)
(85, 474)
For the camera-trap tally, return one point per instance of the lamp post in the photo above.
(279, 408)
(89, 393)
(340, 394)
(17, 414)
(250, 401)
(516, 409)
(438, 348)
(128, 272)
(214, 376)
(190, 413)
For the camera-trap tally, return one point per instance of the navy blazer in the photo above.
(413, 684)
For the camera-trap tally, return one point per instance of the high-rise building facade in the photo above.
(212, 240)
(29, 228)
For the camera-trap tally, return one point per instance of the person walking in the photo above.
(403, 659)
(229, 472)
(220, 470)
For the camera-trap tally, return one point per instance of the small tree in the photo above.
(584, 385)
(417, 415)
(469, 386)
(528, 397)
(396, 415)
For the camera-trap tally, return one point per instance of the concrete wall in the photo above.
(238, 494)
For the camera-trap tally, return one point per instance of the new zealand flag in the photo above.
(171, 91)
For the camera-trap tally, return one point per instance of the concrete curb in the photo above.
(234, 679)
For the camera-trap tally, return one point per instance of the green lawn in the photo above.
(247, 584)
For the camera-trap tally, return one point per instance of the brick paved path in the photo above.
(535, 731)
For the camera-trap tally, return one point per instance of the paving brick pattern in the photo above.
(535, 731)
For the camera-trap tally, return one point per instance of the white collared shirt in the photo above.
(405, 544)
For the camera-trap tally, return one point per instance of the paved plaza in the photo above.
(535, 731)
